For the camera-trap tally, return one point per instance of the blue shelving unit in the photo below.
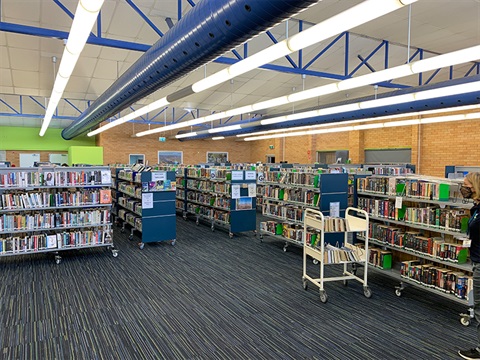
(149, 204)
(220, 197)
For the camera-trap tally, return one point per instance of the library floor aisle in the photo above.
(211, 297)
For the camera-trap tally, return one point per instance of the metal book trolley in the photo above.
(316, 225)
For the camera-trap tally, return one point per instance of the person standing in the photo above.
(471, 190)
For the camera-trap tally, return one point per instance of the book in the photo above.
(51, 241)
(105, 196)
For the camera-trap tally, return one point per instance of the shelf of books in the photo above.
(52, 209)
(222, 197)
(315, 227)
(422, 221)
(289, 192)
(146, 203)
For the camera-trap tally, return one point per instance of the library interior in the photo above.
(239, 179)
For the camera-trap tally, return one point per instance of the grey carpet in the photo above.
(211, 297)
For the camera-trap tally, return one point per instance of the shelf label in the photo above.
(398, 202)
(213, 174)
(159, 176)
(252, 190)
(147, 200)
(237, 175)
(335, 209)
(250, 175)
(235, 191)
(261, 177)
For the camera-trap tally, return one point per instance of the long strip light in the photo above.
(85, 17)
(430, 120)
(379, 118)
(440, 61)
(348, 19)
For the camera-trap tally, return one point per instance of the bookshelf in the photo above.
(53, 209)
(315, 227)
(146, 204)
(422, 221)
(222, 197)
(288, 192)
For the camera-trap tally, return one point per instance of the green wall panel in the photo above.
(91, 155)
(25, 138)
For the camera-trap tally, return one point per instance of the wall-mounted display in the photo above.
(170, 157)
(217, 157)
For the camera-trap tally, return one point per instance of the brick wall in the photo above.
(118, 143)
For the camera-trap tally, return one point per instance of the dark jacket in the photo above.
(474, 233)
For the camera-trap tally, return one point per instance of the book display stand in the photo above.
(52, 209)
(315, 226)
(423, 221)
(146, 203)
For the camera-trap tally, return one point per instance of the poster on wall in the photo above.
(217, 157)
(170, 157)
(136, 159)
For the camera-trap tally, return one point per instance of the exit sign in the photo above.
(162, 139)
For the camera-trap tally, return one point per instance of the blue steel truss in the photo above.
(294, 68)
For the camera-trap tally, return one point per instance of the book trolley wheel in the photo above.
(141, 245)
(285, 247)
(323, 296)
(173, 242)
(367, 292)
(130, 237)
(212, 227)
(114, 253)
(58, 259)
(305, 284)
(398, 292)
(345, 282)
(465, 319)
(197, 222)
(230, 235)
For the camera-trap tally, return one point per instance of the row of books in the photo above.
(49, 220)
(209, 200)
(26, 244)
(292, 178)
(35, 200)
(80, 177)
(288, 213)
(380, 258)
(450, 219)
(208, 173)
(409, 187)
(205, 185)
(414, 241)
(131, 204)
(211, 213)
(288, 231)
(440, 278)
(305, 196)
(131, 190)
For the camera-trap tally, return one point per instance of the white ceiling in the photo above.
(26, 67)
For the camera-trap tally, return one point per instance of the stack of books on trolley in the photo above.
(348, 253)
(439, 278)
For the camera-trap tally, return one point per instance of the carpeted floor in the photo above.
(211, 297)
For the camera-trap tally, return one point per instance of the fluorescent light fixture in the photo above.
(448, 91)
(190, 134)
(449, 59)
(128, 117)
(376, 77)
(85, 17)
(211, 81)
(355, 16)
(224, 128)
(218, 137)
(391, 100)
